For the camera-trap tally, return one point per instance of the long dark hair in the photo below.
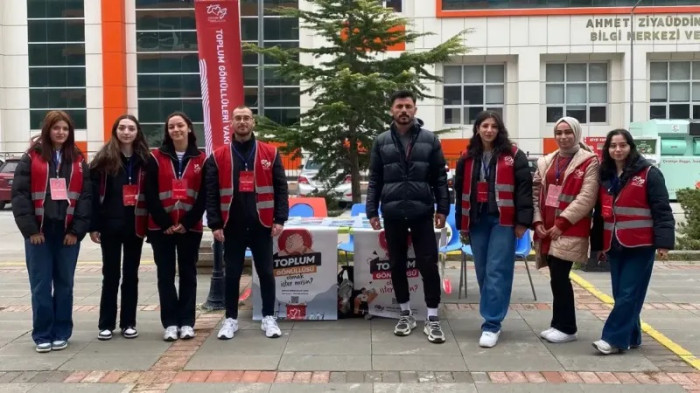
(108, 160)
(608, 169)
(191, 138)
(501, 145)
(43, 143)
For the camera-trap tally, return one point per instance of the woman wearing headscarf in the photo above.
(565, 189)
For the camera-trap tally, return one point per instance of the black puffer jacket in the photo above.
(110, 216)
(657, 195)
(409, 187)
(23, 206)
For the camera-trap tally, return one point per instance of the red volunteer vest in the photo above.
(166, 174)
(631, 216)
(140, 212)
(40, 183)
(262, 172)
(573, 183)
(505, 187)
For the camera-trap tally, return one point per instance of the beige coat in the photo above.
(568, 248)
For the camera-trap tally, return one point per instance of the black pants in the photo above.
(174, 310)
(563, 306)
(425, 246)
(260, 242)
(112, 269)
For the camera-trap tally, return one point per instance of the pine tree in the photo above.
(349, 79)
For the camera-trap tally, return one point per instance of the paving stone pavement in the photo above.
(353, 355)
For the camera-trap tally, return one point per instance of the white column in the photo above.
(14, 77)
(527, 132)
(93, 77)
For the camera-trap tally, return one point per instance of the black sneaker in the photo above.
(433, 330)
(405, 324)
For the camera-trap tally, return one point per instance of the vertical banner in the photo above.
(220, 67)
(305, 265)
(373, 275)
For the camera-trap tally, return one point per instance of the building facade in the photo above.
(533, 61)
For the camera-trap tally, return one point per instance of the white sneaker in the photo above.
(186, 332)
(545, 333)
(170, 333)
(606, 349)
(130, 332)
(269, 326)
(489, 339)
(557, 336)
(228, 328)
(104, 335)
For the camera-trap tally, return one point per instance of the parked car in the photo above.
(7, 174)
(308, 184)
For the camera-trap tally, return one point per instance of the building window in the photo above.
(450, 5)
(396, 5)
(56, 47)
(578, 90)
(168, 66)
(470, 89)
(675, 90)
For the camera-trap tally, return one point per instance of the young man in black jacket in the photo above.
(407, 176)
(247, 205)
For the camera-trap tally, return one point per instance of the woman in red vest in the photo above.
(633, 220)
(565, 189)
(119, 220)
(494, 181)
(175, 198)
(51, 205)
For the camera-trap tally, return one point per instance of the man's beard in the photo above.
(403, 119)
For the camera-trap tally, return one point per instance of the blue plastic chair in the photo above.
(466, 250)
(349, 246)
(523, 246)
(301, 210)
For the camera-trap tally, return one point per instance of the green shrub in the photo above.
(689, 231)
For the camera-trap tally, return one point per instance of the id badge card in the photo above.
(130, 194)
(245, 181)
(553, 192)
(179, 189)
(482, 192)
(606, 208)
(59, 192)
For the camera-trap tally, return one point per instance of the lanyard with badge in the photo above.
(246, 182)
(554, 190)
(482, 187)
(130, 192)
(179, 184)
(57, 185)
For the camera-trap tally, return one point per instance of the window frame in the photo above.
(692, 101)
(587, 83)
(484, 84)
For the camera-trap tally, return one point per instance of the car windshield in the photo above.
(312, 165)
(9, 167)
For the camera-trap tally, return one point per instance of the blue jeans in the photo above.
(630, 273)
(51, 268)
(493, 246)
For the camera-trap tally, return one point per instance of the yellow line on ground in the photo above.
(80, 263)
(646, 328)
